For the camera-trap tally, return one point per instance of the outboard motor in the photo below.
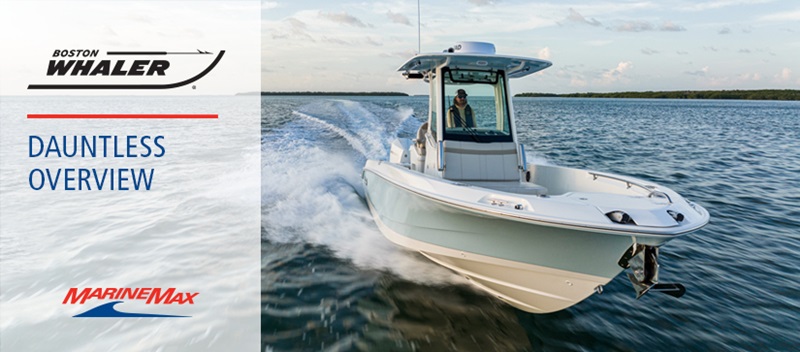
(643, 262)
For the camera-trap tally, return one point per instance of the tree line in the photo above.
(762, 94)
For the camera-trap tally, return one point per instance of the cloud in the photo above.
(576, 17)
(372, 42)
(576, 81)
(750, 77)
(781, 17)
(544, 53)
(401, 54)
(335, 41)
(747, 78)
(744, 51)
(784, 76)
(724, 30)
(398, 18)
(617, 73)
(717, 4)
(648, 51)
(343, 18)
(292, 28)
(481, 2)
(668, 26)
(296, 24)
(702, 72)
(644, 26)
(682, 52)
(635, 26)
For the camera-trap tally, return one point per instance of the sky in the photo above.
(311, 45)
(595, 46)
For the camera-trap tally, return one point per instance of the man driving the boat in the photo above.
(460, 113)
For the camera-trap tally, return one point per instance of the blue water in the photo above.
(331, 281)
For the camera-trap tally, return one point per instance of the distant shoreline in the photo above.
(331, 93)
(762, 94)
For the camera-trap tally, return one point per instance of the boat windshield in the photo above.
(476, 108)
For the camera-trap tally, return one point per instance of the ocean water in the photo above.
(330, 281)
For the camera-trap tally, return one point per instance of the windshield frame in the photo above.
(470, 134)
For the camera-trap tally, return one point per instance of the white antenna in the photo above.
(419, 36)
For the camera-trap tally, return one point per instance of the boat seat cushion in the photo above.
(470, 161)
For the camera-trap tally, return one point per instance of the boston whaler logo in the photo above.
(147, 295)
(96, 69)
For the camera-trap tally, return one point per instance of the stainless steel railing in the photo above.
(652, 189)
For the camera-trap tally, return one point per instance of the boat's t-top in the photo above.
(469, 103)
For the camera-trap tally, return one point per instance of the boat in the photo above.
(540, 237)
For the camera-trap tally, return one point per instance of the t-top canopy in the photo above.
(475, 56)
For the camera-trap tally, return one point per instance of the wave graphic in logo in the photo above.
(107, 311)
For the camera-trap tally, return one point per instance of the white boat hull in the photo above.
(532, 288)
(536, 266)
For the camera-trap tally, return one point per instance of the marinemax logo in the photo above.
(148, 295)
(146, 68)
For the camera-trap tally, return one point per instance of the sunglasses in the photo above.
(461, 96)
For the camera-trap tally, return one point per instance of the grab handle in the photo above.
(441, 156)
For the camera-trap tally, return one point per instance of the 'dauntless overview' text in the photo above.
(93, 147)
